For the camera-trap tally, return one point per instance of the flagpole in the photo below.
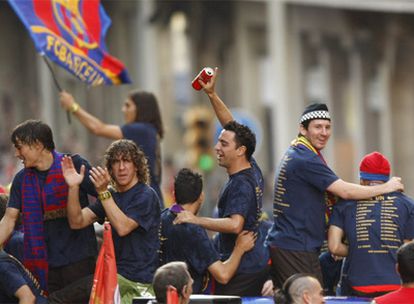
(56, 84)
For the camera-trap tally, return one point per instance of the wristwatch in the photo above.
(104, 195)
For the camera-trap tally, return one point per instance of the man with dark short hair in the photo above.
(405, 268)
(175, 275)
(374, 229)
(240, 202)
(132, 208)
(55, 254)
(304, 186)
(190, 243)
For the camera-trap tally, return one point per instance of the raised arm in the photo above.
(352, 191)
(119, 220)
(91, 122)
(222, 111)
(78, 218)
(224, 271)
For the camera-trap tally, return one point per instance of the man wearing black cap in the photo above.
(304, 184)
(375, 228)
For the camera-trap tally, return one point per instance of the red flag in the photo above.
(105, 289)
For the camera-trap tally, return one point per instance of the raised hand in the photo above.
(209, 87)
(72, 177)
(100, 178)
(66, 100)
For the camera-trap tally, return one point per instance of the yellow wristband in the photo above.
(74, 107)
(104, 195)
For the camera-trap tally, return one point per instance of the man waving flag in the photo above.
(71, 33)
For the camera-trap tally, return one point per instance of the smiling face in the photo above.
(226, 149)
(28, 154)
(124, 173)
(130, 111)
(318, 132)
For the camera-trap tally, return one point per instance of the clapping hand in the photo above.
(72, 177)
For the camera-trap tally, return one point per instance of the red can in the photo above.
(204, 75)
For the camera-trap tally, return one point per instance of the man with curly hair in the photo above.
(131, 206)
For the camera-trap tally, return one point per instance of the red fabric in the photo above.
(44, 11)
(2, 190)
(105, 288)
(172, 295)
(375, 163)
(403, 295)
(376, 288)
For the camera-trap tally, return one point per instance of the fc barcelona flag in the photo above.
(105, 289)
(72, 34)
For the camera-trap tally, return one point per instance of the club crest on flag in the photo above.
(70, 19)
(71, 33)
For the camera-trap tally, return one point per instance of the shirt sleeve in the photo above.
(133, 130)
(317, 173)
(11, 279)
(15, 198)
(142, 209)
(337, 217)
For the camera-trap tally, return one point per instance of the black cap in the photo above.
(315, 111)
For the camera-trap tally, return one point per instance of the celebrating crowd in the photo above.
(368, 222)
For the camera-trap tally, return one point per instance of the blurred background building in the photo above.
(274, 56)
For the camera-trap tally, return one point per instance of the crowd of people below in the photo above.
(50, 245)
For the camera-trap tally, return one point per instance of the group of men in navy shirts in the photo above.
(51, 194)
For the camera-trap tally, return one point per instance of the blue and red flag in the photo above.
(72, 34)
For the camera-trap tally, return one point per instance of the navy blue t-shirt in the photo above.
(145, 136)
(242, 195)
(13, 276)
(299, 201)
(64, 245)
(136, 253)
(375, 229)
(188, 243)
